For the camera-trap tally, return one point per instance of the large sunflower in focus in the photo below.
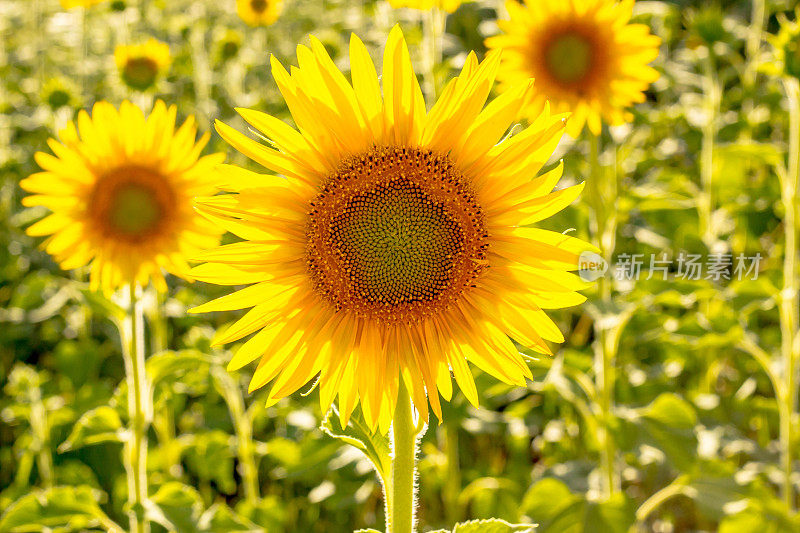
(584, 54)
(120, 188)
(395, 246)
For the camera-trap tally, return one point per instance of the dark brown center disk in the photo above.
(395, 235)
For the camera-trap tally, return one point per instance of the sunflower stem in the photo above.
(84, 69)
(138, 412)
(709, 133)
(755, 33)
(400, 514)
(605, 349)
(452, 484)
(243, 427)
(41, 431)
(789, 304)
(433, 28)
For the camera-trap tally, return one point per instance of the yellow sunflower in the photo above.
(70, 4)
(141, 64)
(424, 5)
(259, 12)
(584, 54)
(396, 245)
(120, 188)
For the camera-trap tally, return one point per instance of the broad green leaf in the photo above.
(174, 365)
(715, 487)
(492, 525)
(615, 515)
(98, 425)
(210, 456)
(219, 518)
(69, 508)
(374, 445)
(668, 424)
(671, 410)
(546, 500)
(557, 510)
(176, 506)
(762, 515)
(102, 305)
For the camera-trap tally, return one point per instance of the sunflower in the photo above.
(70, 4)
(585, 56)
(423, 5)
(141, 64)
(396, 245)
(259, 12)
(120, 188)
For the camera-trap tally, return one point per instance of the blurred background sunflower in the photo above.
(120, 188)
(586, 57)
(140, 65)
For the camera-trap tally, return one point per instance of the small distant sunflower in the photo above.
(584, 54)
(424, 5)
(120, 188)
(259, 12)
(140, 65)
(397, 246)
(70, 4)
(57, 93)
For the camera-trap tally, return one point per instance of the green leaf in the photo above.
(615, 515)
(548, 499)
(763, 515)
(550, 503)
(668, 424)
(374, 445)
(492, 525)
(177, 507)
(98, 425)
(671, 410)
(102, 305)
(219, 518)
(210, 456)
(174, 365)
(70, 508)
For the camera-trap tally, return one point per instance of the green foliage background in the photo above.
(695, 422)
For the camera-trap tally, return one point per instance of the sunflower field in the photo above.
(452, 266)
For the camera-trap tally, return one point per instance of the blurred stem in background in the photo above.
(452, 483)
(84, 55)
(433, 24)
(159, 328)
(755, 34)
(243, 426)
(139, 412)
(200, 66)
(401, 505)
(789, 305)
(603, 189)
(41, 434)
(711, 102)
